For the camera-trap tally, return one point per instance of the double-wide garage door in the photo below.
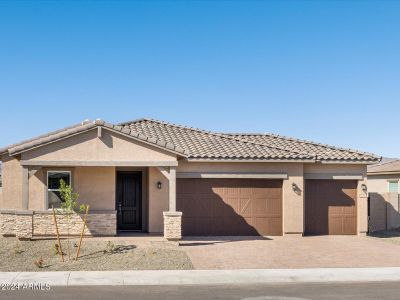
(330, 207)
(216, 207)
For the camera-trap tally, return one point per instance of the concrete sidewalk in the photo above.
(203, 277)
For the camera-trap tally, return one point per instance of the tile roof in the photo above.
(206, 144)
(201, 144)
(389, 167)
(197, 144)
(321, 152)
(82, 127)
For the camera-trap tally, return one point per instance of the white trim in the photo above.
(99, 132)
(164, 172)
(336, 176)
(231, 175)
(54, 190)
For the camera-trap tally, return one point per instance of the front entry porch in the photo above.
(127, 198)
(92, 160)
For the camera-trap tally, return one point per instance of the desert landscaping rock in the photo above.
(95, 255)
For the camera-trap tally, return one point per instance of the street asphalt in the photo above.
(292, 291)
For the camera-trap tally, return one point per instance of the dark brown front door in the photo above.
(217, 207)
(129, 200)
(330, 207)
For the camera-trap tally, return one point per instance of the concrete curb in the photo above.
(203, 277)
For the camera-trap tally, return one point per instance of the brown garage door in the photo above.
(230, 206)
(330, 207)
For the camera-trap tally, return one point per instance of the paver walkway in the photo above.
(291, 252)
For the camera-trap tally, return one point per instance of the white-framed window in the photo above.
(53, 187)
(393, 186)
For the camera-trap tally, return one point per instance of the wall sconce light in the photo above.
(364, 187)
(296, 188)
(159, 185)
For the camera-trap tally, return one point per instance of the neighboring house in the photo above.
(152, 176)
(383, 188)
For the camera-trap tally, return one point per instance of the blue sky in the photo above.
(325, 71)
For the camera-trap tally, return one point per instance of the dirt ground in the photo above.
(391, 236)
(95, 255)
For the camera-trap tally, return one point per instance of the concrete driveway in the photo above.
(290, 252)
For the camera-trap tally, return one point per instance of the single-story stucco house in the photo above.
(383, 189)
(156, 177)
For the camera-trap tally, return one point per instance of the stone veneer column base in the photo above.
(172, 225)
(23, 224)
(7, 222)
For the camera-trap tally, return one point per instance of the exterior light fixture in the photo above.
(296, 188)
(364, 187)
(159, 185)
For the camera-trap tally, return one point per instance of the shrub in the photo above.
(17, 248)
(110, 247)
(56, 249)
(39, 263)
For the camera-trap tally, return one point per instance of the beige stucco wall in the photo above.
(379, 183)
(12, 183)
(347, 169)
(88, 147)
(384, 206)
(158, 200)
(95, 186)
(37, 189)
(293, 203)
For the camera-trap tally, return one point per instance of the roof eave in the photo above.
(255, 160)
(95, 126)
(358, 162)
(384, 173)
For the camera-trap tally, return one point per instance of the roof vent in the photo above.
(86, 121)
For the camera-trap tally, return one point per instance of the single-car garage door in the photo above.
(216, 207)
(330, 207)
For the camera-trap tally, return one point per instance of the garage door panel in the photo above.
(270, 193)
(231, 206)
(273, 223)
(335, 225)
(330, 207)
(273, 208)
(246, 207)
(348, 224)
(260, 207)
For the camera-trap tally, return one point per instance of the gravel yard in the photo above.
(95, 255)
(391, 236)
